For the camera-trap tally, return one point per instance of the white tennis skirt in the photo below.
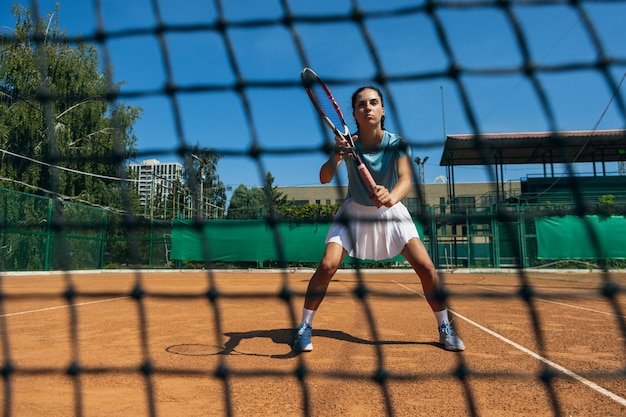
(367, 232)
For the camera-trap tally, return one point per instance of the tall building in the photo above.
(156, 181)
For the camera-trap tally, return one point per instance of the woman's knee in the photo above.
(333, 256)
(328, 267)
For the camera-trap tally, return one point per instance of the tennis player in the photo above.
(373, 225)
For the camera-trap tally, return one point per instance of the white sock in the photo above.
(307, 316)
(442, 317)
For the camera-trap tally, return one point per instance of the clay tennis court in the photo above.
(151, 343)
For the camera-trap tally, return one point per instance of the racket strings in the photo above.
(329, 107)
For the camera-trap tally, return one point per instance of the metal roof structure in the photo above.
(544, 148)
(535, 148)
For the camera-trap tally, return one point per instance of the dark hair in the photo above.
(382, 102)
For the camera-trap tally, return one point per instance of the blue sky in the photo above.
(283, 117)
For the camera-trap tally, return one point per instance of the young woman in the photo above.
(373, 225)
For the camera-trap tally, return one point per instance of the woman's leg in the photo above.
(333, 256)
(417, 256)
(332, 259)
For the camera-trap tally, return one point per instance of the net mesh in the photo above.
(357, 23)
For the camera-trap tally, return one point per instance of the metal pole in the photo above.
(203, 167)
(443, 114)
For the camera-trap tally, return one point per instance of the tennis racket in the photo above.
(327, 107)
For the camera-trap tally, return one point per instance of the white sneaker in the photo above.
(449, 339)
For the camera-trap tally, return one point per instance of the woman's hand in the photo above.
(381, 196)
(342, 148)
(329, 168)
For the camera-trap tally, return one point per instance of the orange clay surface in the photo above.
(171, 351)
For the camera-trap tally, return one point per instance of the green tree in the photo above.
(257, 202)
(607, 205)
(204, 182)
(54, 108)
(275, 200)
(247, 203)
(312, 213)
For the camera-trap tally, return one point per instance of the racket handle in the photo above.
(367, 176)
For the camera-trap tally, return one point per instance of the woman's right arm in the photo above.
(330, 167)
(327, 172)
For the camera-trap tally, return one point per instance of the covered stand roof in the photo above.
(535, 148)
(545, 148)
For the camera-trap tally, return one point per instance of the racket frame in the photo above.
(309, 78)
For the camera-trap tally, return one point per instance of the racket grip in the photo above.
(367, 176)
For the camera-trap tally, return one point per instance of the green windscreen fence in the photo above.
(249, 240)
(588, 237)
(31, 239)
(42, 234)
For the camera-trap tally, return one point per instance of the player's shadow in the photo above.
(285, 337)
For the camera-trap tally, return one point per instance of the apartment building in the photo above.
(156, 180)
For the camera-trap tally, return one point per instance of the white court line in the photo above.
(557, 303)
(529, 352)
(64, 306)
